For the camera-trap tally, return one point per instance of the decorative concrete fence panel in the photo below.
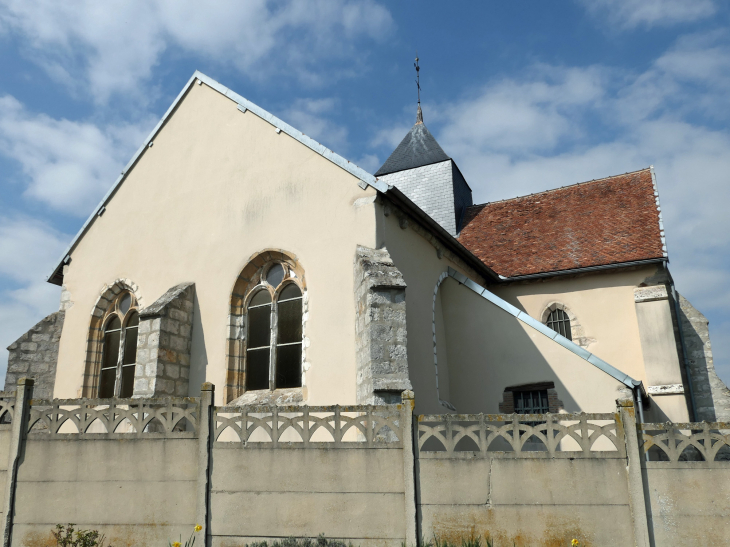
(302, 471)
(524, 480)
(688, 482)
(128, 468)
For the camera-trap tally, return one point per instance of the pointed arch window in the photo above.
(274, 332)
(119, 350)
(559, 321)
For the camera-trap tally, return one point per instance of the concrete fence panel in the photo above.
(302, 471)
(687, 480)
(524, 480)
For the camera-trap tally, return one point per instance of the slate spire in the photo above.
(418, 147)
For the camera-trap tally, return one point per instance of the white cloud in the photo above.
(369, 162)
(634, 13)
(529, 115)
(112, 47)
(310, 116)
(69, 165)
(28, 249)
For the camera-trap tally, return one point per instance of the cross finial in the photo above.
(419, 114)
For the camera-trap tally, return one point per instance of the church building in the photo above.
(234, 249)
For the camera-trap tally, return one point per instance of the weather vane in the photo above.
(418, 79)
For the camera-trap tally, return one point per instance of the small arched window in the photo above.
(559, 321)
(274, 332)
(119, 352)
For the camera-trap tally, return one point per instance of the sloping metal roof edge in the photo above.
(659, 211)
(546, 331)
(585, 269)
(399, 198)
(56, 276)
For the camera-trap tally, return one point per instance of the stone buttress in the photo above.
(380, 300)
(163, 344)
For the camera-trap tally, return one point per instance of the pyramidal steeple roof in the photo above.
(418, 148)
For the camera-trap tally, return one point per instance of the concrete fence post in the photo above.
(409, 475)
(20, 421)
(205, 441)
(634, 454)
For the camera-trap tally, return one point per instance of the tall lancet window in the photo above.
(274, 332)
(119, 351)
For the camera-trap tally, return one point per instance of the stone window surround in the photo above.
(507, 406)
(95, 341)
(576, 329)
(249, 282)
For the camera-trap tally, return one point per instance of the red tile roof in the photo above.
(604, 221)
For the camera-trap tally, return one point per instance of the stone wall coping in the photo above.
(159, 306)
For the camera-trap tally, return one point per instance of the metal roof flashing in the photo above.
(571, 346)
(56, 276)
(586, 269)
(659, 212)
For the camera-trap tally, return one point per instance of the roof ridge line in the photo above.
(561, 187)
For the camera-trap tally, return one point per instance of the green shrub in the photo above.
(70, 537)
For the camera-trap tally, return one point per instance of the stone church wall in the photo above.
(35, 355)
(711, 395)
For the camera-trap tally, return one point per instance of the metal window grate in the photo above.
(531, 402)
(559, 321)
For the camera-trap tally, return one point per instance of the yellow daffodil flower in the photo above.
(574, 543)
(198, 527)
(175, 544)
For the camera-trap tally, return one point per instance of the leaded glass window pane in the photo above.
(260, 298)
(275, 275)
(113, 324)
(289, 292)
(259, 327)
(130, 341)
(290, 321)
(127, 389)
(257, 368)
(106, 383)
(289, 366)
(125, 303)
(111, 349)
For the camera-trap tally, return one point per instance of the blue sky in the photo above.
(524, 95)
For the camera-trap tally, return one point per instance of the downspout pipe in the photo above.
(639, 403)
(640, 406)
(685, 359)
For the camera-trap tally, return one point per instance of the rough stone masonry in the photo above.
(35, 355)
(163, 344)
(380, 300)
